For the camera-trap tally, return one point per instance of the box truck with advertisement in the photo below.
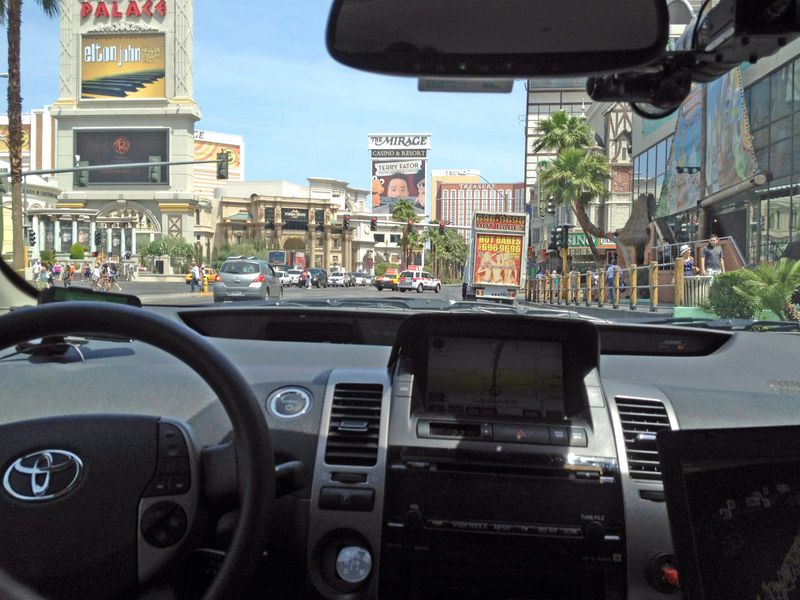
(496, 266)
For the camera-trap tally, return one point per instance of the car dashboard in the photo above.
(431, 455)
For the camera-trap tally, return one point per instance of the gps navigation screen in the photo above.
(490, 377)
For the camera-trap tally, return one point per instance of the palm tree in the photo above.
(11, 14)
(403, 211)
(771, 286)
(560, 131)
(574, 178)
(577, 175)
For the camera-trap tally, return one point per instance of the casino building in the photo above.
(125, 97)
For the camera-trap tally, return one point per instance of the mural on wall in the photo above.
(683, 179)
(729, 148)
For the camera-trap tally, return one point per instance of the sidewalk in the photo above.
(607, 311)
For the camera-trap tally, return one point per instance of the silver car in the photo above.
(246, 279)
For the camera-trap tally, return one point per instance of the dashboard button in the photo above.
(559, 436)
(158, 487)
(289, 403)
(339, 498)
(577, 437)
(521, 434)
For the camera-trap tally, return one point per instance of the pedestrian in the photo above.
(131, 271)
(68, 272)
(44, 277)
(195, 282)
(37, 268)
(57, 271)
(689, 268)
(712, 259)
(112, 276)
(613, 268)
(96, 275)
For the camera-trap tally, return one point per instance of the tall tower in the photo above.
(125, 96)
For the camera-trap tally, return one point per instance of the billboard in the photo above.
(123, 146)
(207, 150)
(123, 66)
(26, 139)
(500, 222)
(399, 170)
(498, 259)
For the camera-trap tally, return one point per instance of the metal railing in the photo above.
(618, 284)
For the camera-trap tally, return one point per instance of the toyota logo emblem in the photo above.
(43, 475)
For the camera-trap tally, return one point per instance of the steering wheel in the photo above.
(98, 505)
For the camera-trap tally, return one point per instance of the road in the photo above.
(180, 294)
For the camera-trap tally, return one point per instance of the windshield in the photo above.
(332, 170)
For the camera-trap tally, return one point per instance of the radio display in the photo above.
(495, 378)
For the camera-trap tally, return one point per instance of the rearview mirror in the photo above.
(490, 38)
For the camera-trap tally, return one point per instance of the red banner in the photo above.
(498, 259)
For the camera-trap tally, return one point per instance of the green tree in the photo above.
(577, 175)
(403, 211)
(771, 286)
(11, 15)
(725, 302)
(561, 131)
(77, 252)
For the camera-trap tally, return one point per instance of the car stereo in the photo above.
(502, 472)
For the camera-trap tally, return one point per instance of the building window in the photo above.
(394, 238)
(197, 217)
(379, 238)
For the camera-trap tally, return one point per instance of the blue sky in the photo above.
(261, 70)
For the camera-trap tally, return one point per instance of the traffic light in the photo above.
(551, 206)
(553, 245)
(346, 222)
(98, 238)
(373, 224)
(441, 228)
(154, 172)
(559, 238)
(222, 165)
(31, 237)
(81, 178)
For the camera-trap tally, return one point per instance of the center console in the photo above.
(501, 476)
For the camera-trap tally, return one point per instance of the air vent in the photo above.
(354, 424)
(642, 419)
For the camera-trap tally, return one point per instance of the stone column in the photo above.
(133, 239)
(92, 230)
(57, 235)
(74, 231)
(36, 227)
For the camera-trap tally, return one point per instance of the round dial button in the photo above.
(289, 403)
(353, 564)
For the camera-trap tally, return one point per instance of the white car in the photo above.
(360, 278)
(419, 281)
(294, 276)
(284, 277)
(338, 279)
